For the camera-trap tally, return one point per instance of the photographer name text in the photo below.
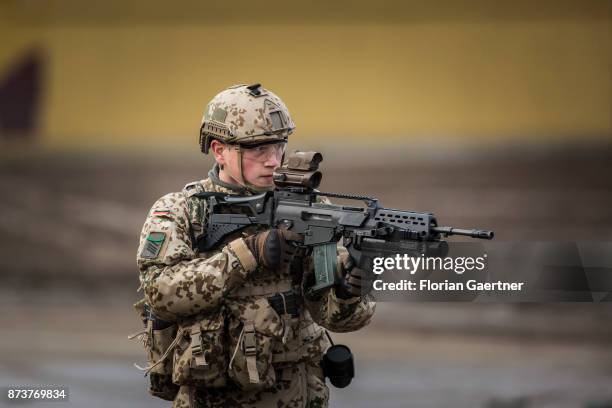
(457, 265)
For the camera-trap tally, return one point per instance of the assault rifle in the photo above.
(367, 232)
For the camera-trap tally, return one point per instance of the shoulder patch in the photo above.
(153, 244)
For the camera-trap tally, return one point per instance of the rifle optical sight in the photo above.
(301, 169)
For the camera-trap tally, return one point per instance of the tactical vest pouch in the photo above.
(252, 338)
(308, 343)
(158, 338)
(160, 376)
(200, 356)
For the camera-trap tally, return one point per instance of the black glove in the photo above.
(273, 248)
(355, 282)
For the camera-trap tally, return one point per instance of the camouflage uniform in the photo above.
(181, 284)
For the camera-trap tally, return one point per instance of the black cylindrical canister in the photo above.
(338, 365)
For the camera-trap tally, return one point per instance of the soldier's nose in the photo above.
(273, 161)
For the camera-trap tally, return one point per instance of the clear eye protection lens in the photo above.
(264, 152)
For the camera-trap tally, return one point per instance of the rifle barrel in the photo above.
(474, 233)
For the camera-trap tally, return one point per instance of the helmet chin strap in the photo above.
(254, 189)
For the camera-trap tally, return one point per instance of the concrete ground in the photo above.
(83, 345)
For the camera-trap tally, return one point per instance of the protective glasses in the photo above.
(264, 152)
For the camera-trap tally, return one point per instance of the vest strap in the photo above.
(197, 352)
(267, 289)
(250, 351)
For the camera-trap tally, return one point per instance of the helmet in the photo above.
(245, 115)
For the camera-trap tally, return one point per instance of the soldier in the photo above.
(244, 330)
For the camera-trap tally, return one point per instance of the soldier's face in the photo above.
(257, 170)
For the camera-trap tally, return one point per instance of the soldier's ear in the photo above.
(218, 148)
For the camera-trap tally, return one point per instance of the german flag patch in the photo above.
(153, 244)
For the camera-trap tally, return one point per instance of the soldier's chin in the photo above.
(264, 182)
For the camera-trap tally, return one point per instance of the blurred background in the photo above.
(492, 114)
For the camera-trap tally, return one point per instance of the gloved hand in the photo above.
(273, 248)
(355, 282)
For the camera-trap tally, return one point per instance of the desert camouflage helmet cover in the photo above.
(245, 115)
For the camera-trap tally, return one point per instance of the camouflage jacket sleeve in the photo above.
(341, 315)
(175, 281)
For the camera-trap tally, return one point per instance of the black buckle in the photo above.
(286, 303)
(158, 324)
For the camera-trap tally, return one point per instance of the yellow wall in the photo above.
(115, 81)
